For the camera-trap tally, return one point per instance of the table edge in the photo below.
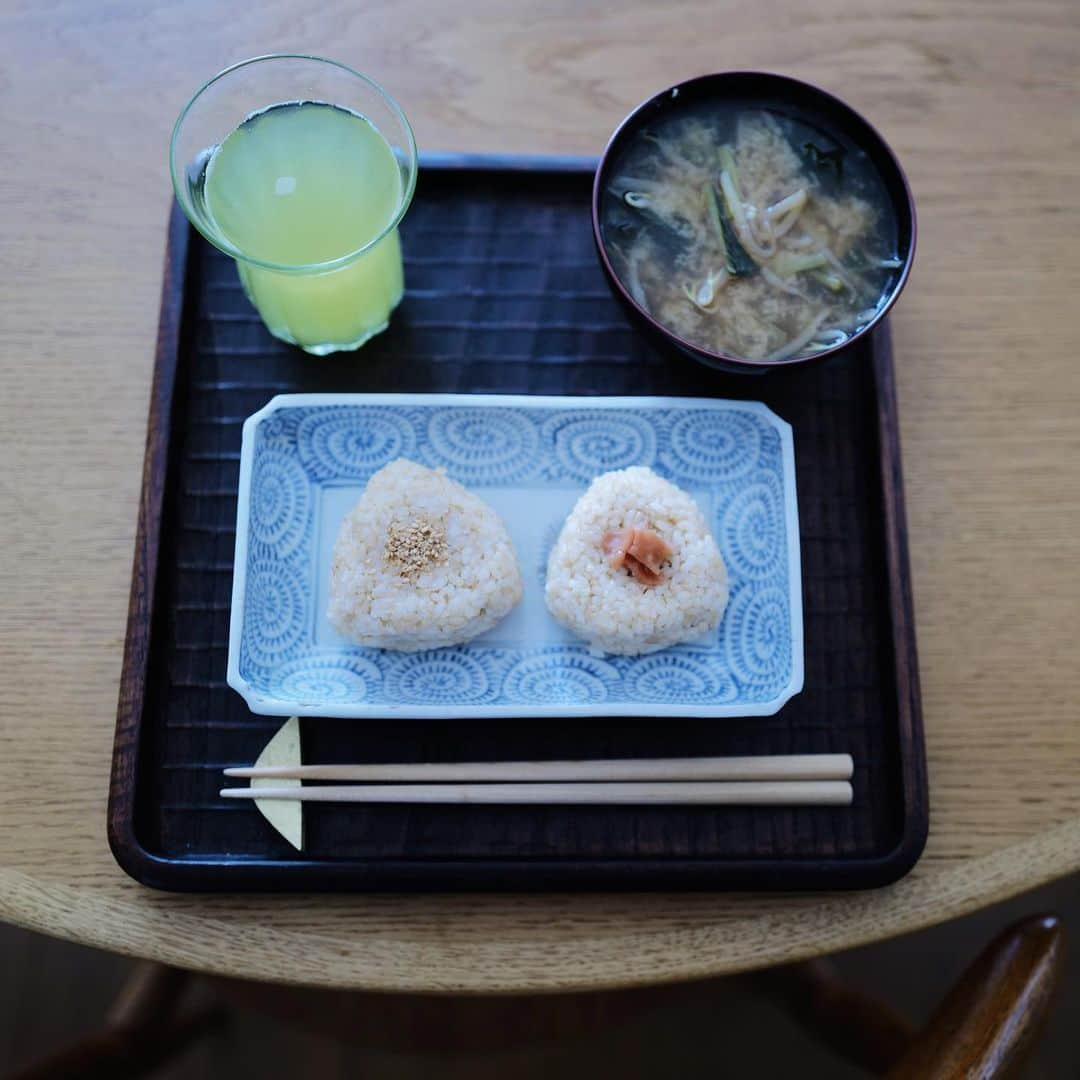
(154, 926)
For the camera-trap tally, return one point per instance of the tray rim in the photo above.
(265, 705)
(205, 874)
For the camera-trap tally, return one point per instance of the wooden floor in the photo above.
(50, 992)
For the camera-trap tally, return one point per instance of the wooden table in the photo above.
(981, 103)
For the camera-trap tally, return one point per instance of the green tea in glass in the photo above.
(301, 169)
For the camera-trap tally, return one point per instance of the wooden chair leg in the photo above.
(988, 1022)
(984, 1028)
(858, 1028)
(140, 1032)
(149, 995)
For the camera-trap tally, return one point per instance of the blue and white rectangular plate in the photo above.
(305, 461)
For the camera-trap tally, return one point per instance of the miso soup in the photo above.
(750, 233)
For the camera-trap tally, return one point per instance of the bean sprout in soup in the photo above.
(750, 233)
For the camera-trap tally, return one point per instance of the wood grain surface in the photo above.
(980, 102)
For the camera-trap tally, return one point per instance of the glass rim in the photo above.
(222, 242)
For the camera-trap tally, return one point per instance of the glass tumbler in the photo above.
(301, 169)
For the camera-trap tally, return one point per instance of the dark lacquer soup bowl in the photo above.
(834, 144)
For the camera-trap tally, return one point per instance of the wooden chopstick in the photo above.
(778, 767)
(739, 793)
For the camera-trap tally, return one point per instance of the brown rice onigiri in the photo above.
(420, 563)
(610, 607)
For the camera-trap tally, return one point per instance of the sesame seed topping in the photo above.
(414, 546)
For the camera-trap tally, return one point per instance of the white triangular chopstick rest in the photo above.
(286, 816)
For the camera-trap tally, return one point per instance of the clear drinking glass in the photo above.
(301, 169)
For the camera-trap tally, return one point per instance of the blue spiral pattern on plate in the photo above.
(280, 496)
(752, 528)
(561, 676)
(346, 442)
(278, 430)
(756, 634)
(589, 444)
(714, 445)
(482, 445)
(437, 677)
(334, 678)
(731, 458)
(276, 603)
(675, 678)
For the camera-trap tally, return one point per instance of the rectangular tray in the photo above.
(504, 295)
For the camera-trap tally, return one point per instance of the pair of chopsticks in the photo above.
(780, 780)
